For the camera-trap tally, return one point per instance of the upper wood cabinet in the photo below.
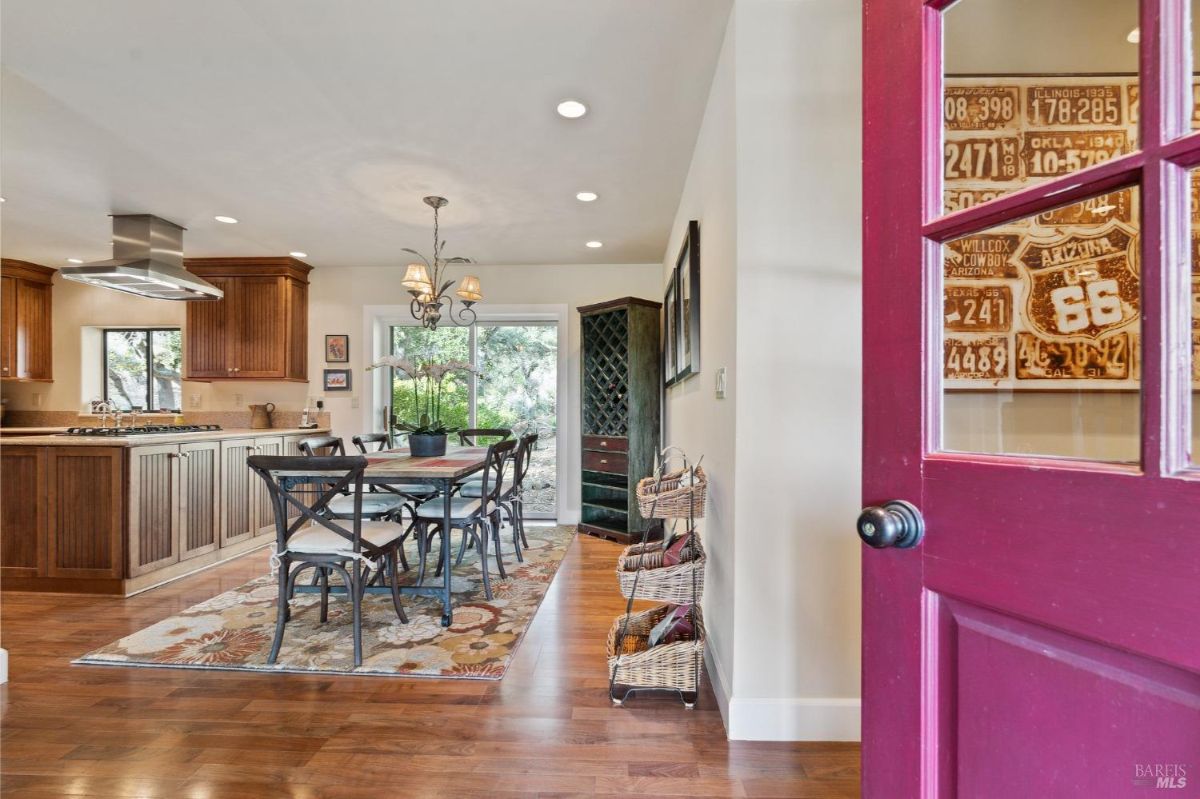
(26, 333)
(259, 330)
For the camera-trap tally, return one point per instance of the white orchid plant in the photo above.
(427, 379)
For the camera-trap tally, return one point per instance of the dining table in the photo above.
(397, 467)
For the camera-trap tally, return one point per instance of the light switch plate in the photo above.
(720, 388)
(354, 402)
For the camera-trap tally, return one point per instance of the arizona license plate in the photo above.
(975, 358)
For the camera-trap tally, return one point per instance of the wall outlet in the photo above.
(37, 400)
(720, 387)
(354, 402)
(237, 399)
(194, 400)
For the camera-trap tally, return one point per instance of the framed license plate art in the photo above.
(1051, 301)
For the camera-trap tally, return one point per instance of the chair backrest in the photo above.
(522, 458)
(309, 446)
(294, 479)
(471, 436)
(361, 442)
(498, 455)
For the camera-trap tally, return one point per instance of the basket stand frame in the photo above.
(687, 697)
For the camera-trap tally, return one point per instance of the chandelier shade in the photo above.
(427, 283)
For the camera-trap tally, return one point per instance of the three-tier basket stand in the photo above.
(677, 666)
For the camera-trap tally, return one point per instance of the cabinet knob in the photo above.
(604, 460)
(604, 443)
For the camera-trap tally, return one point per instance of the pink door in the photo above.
(1029, 386)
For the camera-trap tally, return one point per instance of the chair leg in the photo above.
(324, 575)
(496, 539)
(396, 585)
(483, 564)
(520, 505)
(422, 544)
(356, 609)
(281, 612)
(511, 510)
(462, 549)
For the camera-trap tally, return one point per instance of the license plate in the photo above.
(1042, 359)
(960, 199)
(975, 358)
(985, 255)
(980, 107)
(1055, 106)
(1060, 152)
(1092, 211)
(994, 159)
(977, 309)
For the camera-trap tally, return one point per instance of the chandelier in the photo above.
(430, 301)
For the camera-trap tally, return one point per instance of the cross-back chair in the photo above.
(511, 498)
(315, 539)
(470, 437)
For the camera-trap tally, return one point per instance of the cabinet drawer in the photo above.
(606, 443)
(612, 462)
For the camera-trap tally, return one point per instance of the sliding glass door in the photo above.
(516, 387)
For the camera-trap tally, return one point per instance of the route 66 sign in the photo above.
(1082, 282)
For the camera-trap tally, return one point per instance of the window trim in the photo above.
(149, 331)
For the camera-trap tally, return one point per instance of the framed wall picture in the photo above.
(670, 329)
(337, 380)
(687, 281)
(337, 348)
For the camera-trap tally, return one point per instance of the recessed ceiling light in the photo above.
(571, 109)
(595, 244)
(1134, 36)
(586, 196)
(1, 199)
(229, 220)
(298, 254)
(74, 260)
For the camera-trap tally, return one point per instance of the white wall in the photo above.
(775, 184)
(336, 299)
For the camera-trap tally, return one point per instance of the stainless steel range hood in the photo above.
(147, 261)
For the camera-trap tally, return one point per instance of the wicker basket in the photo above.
(638, 665)
(663, 583)
(669, 499)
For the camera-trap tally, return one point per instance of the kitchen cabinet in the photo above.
(258, 330)
(237, 491)
(199, 498)
(264, 514)
(26, 333)
(85, 518)
(174, 493)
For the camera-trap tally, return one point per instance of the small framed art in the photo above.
(337, 348)
(337, 380)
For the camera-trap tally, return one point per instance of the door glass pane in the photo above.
(518, 387)
(167, 349)
(125, 353)
(445, 345)
(1035, 89)
(1041, 339)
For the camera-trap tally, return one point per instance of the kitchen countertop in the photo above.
(30, 431)
(149, 439)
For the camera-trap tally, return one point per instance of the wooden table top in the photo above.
(399, 464)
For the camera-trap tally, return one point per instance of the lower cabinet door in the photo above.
(85, 518)
(199, 498)
(153, 507)
(264, 515)
(236, 505)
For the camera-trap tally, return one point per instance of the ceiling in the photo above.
(320, 125)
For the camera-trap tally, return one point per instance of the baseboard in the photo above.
(799, 719)
(720, 684)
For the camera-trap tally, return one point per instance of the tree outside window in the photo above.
(143, 368)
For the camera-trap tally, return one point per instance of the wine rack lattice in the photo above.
(606, 374)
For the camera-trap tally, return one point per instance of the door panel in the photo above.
(207, 335)
(86, 513)
(23, 497)
(34, 331)
(264, 517)
(8, 327)
(199, 498)
(236, 508)
(1040, 640)
(153, 507)
(258, 326)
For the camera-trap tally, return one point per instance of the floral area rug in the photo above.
(234, 630)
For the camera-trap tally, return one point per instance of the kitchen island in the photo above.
(118, 515)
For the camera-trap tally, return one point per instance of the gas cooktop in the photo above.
(141, 430)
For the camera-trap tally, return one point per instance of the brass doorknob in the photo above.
(894, 524)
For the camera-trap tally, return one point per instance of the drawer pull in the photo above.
(604, 443)
(604, 460)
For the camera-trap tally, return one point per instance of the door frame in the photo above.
(378, 319)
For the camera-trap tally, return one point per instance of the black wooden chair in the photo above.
(376, 505)
(478, 518)
(470, 437)
(511, 499)
(411, 494)
(318, 541)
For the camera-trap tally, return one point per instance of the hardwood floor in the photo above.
(546, 730)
